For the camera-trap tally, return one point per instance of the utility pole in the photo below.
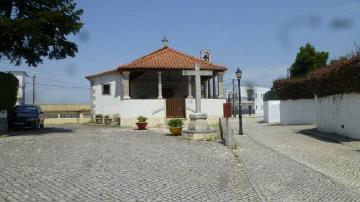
(34, 76)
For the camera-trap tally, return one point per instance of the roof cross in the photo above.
(165, 41)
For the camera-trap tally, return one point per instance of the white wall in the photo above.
(272, 111)
(154, 108)
(106, 104)
(300, 111)
(339, 114)
(212, 107)
(21, 90)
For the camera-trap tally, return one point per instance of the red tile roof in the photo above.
(165, 58)
(169, 59)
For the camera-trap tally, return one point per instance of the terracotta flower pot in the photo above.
(141, 125)
(175, 131)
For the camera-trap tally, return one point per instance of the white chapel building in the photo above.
(155, 86)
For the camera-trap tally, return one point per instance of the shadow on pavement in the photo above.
(327, 137)
(42, 131)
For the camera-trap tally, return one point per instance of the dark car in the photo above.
(28, 116)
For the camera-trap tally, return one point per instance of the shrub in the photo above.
(8, 91)
(98, 116)
(339, 77)
(175, 123)
(296, 88)
(141, 119)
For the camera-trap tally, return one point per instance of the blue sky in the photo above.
(260, 37)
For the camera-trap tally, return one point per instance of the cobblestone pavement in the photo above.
(291, 163)
(84, 163)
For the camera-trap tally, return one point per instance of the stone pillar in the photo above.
(209, 88)
(214, 87)
(221, 84)
(126, 84)
(159, 86)
(189, 88)
(206, 89)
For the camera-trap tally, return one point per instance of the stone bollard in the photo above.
(3, 122)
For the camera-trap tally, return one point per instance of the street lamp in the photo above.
(238, 76)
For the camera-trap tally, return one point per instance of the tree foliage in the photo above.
(8, 90)
(308, 59)
(33, 29)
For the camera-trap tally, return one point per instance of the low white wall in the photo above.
(272, 111)
(212, 107)
(339, 114)
(154, 108)
(297, 112)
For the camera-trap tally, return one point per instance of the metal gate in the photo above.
(175, 107)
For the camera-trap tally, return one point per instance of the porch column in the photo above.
(221, 84)
(126, 84)
(189, 88)
(214, 87)
(206, 89)
(159, 86)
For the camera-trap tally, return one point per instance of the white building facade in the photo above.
(20, 75)
(252, 99)
(156, 87)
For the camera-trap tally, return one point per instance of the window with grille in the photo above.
(106, 90)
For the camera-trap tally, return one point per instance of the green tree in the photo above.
(33, 29)
(8, 90)
(306, 60)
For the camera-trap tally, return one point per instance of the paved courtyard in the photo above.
(85, 163)
(296, 163)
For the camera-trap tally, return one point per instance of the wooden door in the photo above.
(175, 107)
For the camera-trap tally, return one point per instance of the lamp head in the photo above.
(238, 73)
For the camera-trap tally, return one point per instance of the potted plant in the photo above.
(175, 126)
(99, 119)
(107, 120)
(141, 124)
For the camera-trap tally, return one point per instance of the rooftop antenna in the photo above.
(165, 41)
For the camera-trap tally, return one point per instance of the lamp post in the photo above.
(238, 76)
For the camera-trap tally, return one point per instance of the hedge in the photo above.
(340, 77)
(270, 95)
(8, 91)
(295, 88)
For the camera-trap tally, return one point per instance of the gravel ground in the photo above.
(296, 163)
(86, 163)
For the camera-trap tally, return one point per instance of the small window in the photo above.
(106, 89)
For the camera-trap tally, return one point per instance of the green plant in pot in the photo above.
(107, 120)
(99, 119)
(175, 126)
(141, 124)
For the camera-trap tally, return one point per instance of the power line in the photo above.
(61, 81)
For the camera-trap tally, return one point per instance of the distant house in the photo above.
(154, 86)
(20, 75)
(251, 98)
